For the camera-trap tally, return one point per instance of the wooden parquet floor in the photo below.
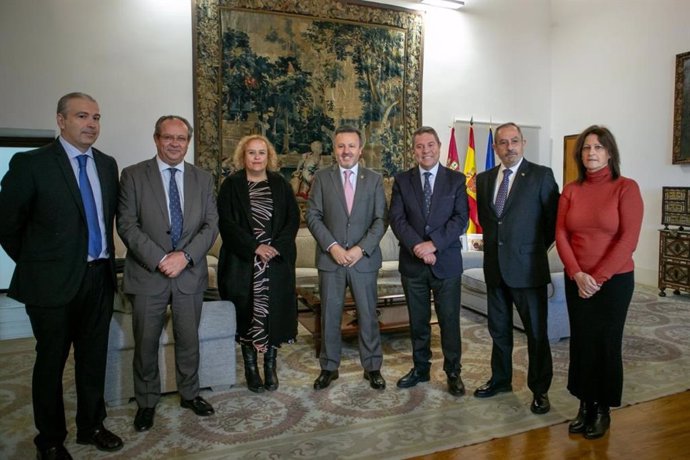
(654, 430)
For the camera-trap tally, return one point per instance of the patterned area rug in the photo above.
(350, 420)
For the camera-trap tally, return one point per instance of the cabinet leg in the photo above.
(662, 292)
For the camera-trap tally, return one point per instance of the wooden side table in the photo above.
(674, 261)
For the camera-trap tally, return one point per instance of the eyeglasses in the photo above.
(167, 138)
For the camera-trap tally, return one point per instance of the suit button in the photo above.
(426, 228)
(500, 243)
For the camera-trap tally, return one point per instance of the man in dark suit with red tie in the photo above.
(517, 203)
(428, 214)
(57, 205)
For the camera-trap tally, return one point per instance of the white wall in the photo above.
(614, 64)
(133, 56)
(558, 64)
(489, 60)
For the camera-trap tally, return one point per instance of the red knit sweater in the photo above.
(598, 225)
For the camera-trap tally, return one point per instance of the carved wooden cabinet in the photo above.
(674, 261)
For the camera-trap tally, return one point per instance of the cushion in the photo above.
(306, 249)
(473, 278)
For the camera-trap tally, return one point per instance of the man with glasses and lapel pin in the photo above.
(517, 202)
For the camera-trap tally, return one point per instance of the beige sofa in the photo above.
(305, 266)
(306, 258)
(216, 342)
(474, 297)
(473, 287)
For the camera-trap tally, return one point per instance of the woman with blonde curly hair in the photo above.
(258, 221)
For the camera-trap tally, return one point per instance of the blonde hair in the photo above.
(238, 156)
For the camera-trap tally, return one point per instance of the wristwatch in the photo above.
(188, 257)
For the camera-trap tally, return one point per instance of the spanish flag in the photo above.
(471, 181)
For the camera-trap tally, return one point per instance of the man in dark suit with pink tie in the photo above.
(428, 214)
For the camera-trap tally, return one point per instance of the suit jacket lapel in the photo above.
(153, 176)
(68, 173)
(517, 184)
(106, 185)
(439, 184)
(338, 187)
(416, 184)
(360, 188)
(491, 186)
(190, 185)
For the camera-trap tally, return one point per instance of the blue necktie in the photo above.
(175, 209)
(95, 243)
(427, 193)
(502, 194)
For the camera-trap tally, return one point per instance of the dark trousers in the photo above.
(532, 306)
(596, 339)
(83, 323)
(148, 320)
(418, 291)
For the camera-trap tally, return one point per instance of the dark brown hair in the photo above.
(164, 118)
(607, 140)
(348, 129)
(426, 130)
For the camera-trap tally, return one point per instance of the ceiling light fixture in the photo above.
(453, 4)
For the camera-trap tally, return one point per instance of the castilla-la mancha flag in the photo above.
(453, 160)
(471, 181)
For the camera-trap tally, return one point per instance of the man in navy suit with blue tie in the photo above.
(428, 214)
(58, 205)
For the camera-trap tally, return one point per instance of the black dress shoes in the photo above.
(198, 405)
(490, 389)
(412, 378)
(455, 385)
(324, 379)
(540, 404)
(599, 424)
(103, 439)
(143, 421)
(375, 380)
(53, 453)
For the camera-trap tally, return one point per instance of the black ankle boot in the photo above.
(584, 414)
(270, 369)
(599, 424)
(251, 369)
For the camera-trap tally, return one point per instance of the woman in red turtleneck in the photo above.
(599, 220)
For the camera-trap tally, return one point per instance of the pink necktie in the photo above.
(349, 191)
